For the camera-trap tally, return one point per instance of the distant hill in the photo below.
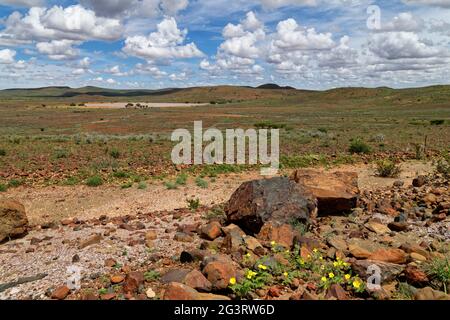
(274, 86)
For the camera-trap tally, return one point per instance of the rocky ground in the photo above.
(270, 241)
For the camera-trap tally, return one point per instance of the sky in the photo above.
(152, 44)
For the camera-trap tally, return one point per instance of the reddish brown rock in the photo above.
(108, 296)
(337, 292)
(336, 192)
(389, 271)
(211, 231)
(430, 294)
(110, 262)
(219, 274)
(415, 276)
(396, 256)
(278, 199)
(192, 278)
(133, 281)
(60, 293)
(13, 220)
(282, 234)
(118, 278)
(94, 239)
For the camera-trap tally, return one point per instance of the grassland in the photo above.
(44, 140)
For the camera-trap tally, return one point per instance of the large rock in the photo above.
(192, 278)
(277, 199)
(13, 220)
(336, 192)
(281, 234)
(219, 274)
(389, 271)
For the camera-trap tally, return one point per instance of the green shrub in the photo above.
(152, 275)
(269, 125)
(182, 179)
(443, 167)
(437, 122)
(201, 183)
(2, 152)
(359, 146)
(170, 185)
(71, 181)
(15, 183)
(3, 188)
(142, 186)
(438, 271)
(61, 154)
(127, 185)
(388, 169)
(193, 204)
(114, 153)
(120, 174)
(94, 181)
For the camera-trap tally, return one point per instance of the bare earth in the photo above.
(56, 203)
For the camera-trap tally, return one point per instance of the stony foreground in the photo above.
(254, 247)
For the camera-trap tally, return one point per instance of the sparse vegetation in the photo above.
(201, 183)
(182, 179)
(14, 183)
(170, 185)
(193, 204)
(438, 122)
(3, 188)
(2, 152)
(388, 168)
(439, 271)
(142, 186)
(359, 146)
(94, 181)
(114, 153)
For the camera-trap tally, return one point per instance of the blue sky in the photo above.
(313, 44)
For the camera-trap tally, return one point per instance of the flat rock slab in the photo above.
(336, 192)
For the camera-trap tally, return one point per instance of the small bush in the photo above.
(437, 122)
(94, 181)
(359, 146)
(201, 183)
(3, 188)
(193, 204)
(15, 183)
(142, 186)
(152, 275)
(171, 185)
(120, 174)
(182, 179)
(2, 152)
(388, 169)
(438, 271)
(61, 154)
(443, 167)
(269, 125)
(71, 181)
(127, 185)
(114, 154)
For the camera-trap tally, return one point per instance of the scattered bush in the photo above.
(438, 271)
(71, 181)
(182, 179)
(2, 152)
(201, 183)
(437, 122)
(152, 275)
(443, 167)
(15, 183)
(388, 169)
(3, 188)
(60, 154)
(114, 153)
(269, 125)
(94, 181)
(127, 185)
(359, 146)
(171, 185)
(121, 175)
(193, 204)
(142, 186)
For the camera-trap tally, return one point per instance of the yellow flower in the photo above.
(346, 264)
(262, 267)
(248, 255)
(322, 267)
(233, 281)
(287, 251)
(286, 274)
(315, 250)
(273, 243)
(357, 284)
(335, 264)
(347, 277)
(324, 279)
(320, 258)
(331, 274)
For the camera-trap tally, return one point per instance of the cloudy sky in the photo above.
(314, 44)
